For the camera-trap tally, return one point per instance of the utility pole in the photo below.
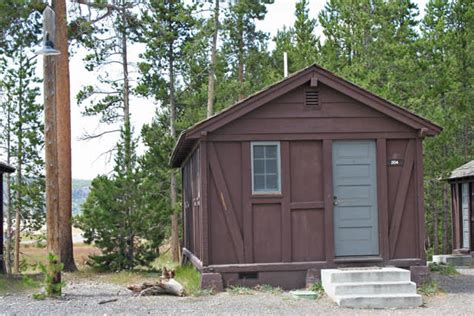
(50, 131)
(63, 121)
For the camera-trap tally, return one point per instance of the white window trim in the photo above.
(277, 143)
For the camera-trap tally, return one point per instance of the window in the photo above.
(266, 167)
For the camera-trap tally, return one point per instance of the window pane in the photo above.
(271, 151)
(271, 166)
(259, 166)
(258, 151)
(272, 183)
(259, 183)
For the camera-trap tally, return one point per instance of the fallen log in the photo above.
(166, 285)
(137, 288)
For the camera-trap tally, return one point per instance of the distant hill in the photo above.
(80, 190)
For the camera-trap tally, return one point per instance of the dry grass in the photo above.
(18, 284)
(187, 275)
(32, 255)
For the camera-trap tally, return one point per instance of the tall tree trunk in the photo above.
(16, 266)
(241, 58)
(446, 212)
(212, 67)
(63, 121)
(126, 94)
(9, 212)
(127, 126)
(50, 140)
(435, 230)
(173, 195)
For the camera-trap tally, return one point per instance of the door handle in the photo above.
(334, 200)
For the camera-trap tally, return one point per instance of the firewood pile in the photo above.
(166, 285)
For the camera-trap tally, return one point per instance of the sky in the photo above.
(88, 158)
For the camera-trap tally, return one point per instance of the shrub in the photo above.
(318, 288)
(429, 288)
(443, 268)
(52, 282)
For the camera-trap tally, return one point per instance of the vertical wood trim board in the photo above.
(285, 207)
(382, 197)
(247, 205)
(328, 206)
(454, 215)
(204, 201)
(420, 198)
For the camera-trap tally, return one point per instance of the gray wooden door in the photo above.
(355, 198)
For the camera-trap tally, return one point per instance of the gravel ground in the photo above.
(83, 297)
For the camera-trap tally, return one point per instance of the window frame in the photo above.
(266, 143)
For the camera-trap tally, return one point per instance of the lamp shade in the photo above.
(47, 49)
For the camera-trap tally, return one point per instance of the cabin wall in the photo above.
(192, 211)
(296, 225)
(457, 212)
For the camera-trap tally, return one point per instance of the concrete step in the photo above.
(369, 288)
(365, 275)
(380, 301)
(455, 260)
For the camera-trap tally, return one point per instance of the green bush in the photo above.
(52, 282)
(429, 288)
(443, 268)
(318, 288)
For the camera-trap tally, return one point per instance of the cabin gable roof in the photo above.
(313, 73)
(4, 168)
(465, 171)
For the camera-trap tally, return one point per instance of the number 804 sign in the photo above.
(395, 162)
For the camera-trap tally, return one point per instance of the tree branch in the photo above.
(93, 136)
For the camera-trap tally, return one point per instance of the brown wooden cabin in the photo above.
(313, 172)
(462, 193)
(4, 168)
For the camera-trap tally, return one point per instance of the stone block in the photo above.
(212, 281)
(420, 274)
(312, 276)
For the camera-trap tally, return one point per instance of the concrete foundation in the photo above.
(455, 260)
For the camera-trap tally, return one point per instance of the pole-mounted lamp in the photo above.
(48, 47)
(50, 130)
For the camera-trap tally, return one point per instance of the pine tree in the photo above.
(446, 62)
(108, 36)
(213, 61)
(118, 217)
(168, 27)
(306, 42)
(23, 131)
(245, 46)
(299, 42)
